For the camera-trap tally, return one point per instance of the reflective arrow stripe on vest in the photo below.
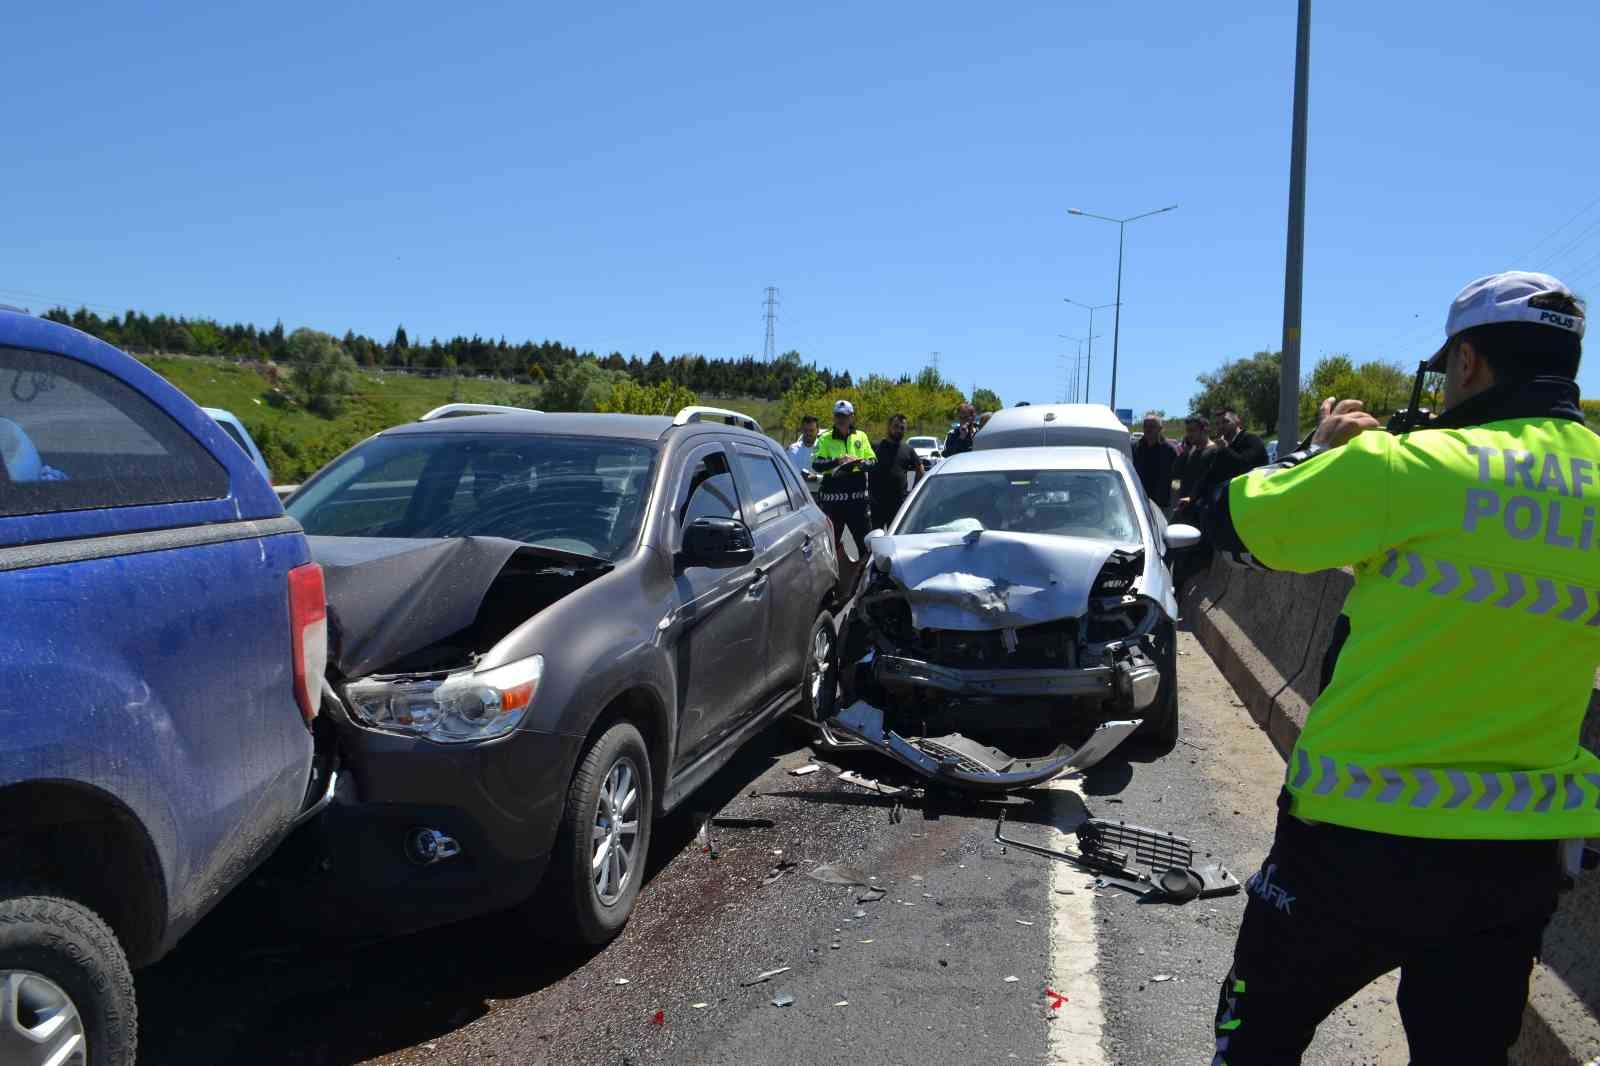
(1575, 600)
(1425, 788)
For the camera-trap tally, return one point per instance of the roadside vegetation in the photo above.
(306, 396)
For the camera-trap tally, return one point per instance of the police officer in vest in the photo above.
(1439, 772)
(843, 457)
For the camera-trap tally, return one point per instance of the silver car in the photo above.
(1025, 584)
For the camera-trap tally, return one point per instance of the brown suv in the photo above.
(547, 630)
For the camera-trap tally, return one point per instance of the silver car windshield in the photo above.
(1070, 503)
(577, 494)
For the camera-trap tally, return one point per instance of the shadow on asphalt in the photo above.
(242, 989)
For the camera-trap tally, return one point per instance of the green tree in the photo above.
(324, 374)
(1249, 386)
(628, 397)
(986, 400)
(580, 385)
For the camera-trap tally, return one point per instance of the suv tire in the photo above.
(611, 789)
(819, 684)
(57, 955)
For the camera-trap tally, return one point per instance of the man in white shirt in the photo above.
(802, 451)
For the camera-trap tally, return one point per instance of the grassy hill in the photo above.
(297, 442)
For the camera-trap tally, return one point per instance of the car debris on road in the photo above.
(765, 976)
(1109, 850)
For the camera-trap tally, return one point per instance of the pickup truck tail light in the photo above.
(308, 636)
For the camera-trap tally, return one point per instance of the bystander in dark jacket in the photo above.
(1153, 459)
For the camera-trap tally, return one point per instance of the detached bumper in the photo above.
(961, 762)
(1133, 683)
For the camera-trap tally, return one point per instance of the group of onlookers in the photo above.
(1181, 478)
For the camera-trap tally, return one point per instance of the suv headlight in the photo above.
(450, 708)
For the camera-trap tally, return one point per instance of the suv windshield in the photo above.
(922, 442)
(576, 494)
(1069, 503)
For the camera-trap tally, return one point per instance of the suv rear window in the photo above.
(74, 438)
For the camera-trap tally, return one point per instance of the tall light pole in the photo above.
(1083, 387)
(1295, 254)
(1122, 228)
(1088, 368)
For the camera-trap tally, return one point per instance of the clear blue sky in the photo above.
(631, 178)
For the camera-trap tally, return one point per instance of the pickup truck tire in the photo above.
(588, 908)
(78, 957)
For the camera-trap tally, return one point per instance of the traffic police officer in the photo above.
(843, 457)
(1440, 769)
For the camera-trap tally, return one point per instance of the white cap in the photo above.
(844, 407)
(1507, 297)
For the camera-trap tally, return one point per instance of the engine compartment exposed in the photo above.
(517, 594)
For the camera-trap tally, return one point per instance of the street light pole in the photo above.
(1295, 254)
(1083, 393)
(1088, 366)
(1122, 225)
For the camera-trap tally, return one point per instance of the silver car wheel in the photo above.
(616, 832)
(39, 1023)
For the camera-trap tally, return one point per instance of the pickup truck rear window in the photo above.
(74, 438)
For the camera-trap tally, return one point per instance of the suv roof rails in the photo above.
(456, 410)
(732, 418)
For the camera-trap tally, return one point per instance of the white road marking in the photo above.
(1076, 1028)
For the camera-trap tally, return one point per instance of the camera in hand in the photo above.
(1413, 416)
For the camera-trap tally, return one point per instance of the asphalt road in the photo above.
(919, 976)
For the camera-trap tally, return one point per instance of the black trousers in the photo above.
(1333, 908)
(854, 515)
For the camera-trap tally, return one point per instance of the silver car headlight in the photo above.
(452, 708)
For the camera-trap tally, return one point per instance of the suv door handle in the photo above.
(808, 546)
(758, 583)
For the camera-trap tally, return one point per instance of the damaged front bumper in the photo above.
(1133, 683)
(956, 760)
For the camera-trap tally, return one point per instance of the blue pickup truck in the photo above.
(163, 638)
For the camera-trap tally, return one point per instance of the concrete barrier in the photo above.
(1268, 634)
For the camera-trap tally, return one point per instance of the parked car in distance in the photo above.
(241, 436)
(1088, 424)
(928, 449)
(549, 630)
(162, 645)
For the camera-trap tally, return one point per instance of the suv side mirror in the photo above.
(719, 542)
(1180, 536)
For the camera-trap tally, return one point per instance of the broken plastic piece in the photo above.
(957, 760)
(871, 895)
(1056, 998)
(766, 975)
(850, 777)
(802, 771)
(1012, 980)
(785, 1000)
(1107, 848)
(838, 873)
(659, 1018)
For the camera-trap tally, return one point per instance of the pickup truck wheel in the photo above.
(66, 993)
(600, 850)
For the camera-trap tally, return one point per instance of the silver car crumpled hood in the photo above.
(984, 579)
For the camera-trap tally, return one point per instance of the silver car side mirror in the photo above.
(1180, 536)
